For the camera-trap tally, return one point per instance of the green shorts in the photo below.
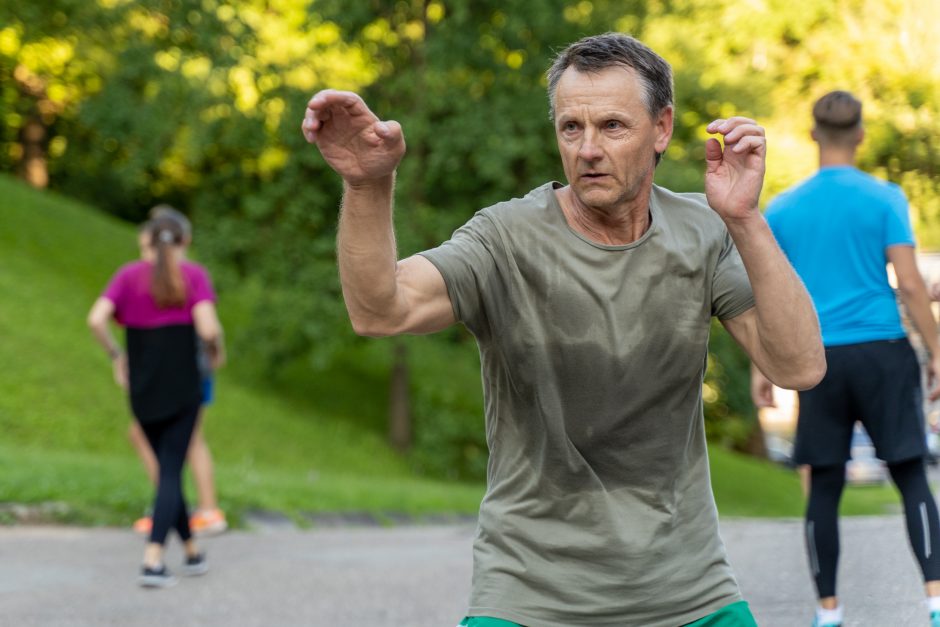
(734, 615)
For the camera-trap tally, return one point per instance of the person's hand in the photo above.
(762, 390)
(734, 174)
(934, 291)
(217, 358)
(355, 143)
(933, 378)
(119, 368)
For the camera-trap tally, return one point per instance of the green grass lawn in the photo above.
(63, 421)
(744, 486)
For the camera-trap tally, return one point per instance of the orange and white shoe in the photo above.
(208, 522)
(143, 525)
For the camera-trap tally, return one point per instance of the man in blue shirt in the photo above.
(839, 228)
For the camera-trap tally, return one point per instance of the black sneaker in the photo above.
(156, 577)
(195, 565)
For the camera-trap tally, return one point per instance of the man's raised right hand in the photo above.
(358, 146)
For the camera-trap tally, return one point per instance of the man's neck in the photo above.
(617, 227)
(831, 157)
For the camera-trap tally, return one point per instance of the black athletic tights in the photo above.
(169, 439)
(822, 529)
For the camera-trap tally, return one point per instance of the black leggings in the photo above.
(822, 528)
(169, 440)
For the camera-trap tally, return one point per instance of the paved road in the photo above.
(395, 577)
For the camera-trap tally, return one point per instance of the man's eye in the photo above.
(569, 126)
(613, 124)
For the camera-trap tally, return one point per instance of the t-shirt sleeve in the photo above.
(898, 221)
(467, 261)
(731, 289)
(201, 286)
(116, 290)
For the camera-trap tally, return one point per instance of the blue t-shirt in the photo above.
(835, 228)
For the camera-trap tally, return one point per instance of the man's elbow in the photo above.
(371, 327)
(909, 288)
(807, 377)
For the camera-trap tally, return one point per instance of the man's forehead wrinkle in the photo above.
(592, 106)
(611, 97)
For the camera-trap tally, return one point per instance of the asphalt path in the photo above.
(408, 576)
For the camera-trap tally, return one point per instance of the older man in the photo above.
(591, 305)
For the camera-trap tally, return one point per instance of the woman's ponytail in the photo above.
(166, 285)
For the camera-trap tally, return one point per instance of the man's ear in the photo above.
(663, 127)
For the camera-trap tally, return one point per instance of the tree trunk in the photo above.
(399, 406)
(33, 168)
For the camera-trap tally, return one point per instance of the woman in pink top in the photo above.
(164, 305)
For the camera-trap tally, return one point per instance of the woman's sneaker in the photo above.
(143, 525)
(828, 618)
(195, 565)
(208, 522)
(155, 577)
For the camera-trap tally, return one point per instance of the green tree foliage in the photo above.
(198, 103)
(50, 62)
(203, 111)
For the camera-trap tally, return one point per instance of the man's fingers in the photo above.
(714, 125)
(333, 97)
(725, 125)
(329, 105)
(309, 127)
(734, 131)
(740, 135)
(388, 130)
(712, 151)
(749, 144)
(323, 103)
(743, 130)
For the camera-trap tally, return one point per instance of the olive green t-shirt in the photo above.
(598, 509)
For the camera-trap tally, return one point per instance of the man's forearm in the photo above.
(367, 253)
(917, 302)
(787, 325)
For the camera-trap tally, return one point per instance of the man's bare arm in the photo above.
(781, 332)
(383, 296)
(914, 295)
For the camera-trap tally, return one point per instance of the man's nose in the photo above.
(590, 149)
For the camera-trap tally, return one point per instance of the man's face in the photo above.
(607, 140)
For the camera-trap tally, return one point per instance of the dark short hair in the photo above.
(838, 110)
(837, 117)
(596, 53)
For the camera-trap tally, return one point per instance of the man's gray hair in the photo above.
(596, 53)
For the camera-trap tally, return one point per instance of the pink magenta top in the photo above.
(129, 290)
